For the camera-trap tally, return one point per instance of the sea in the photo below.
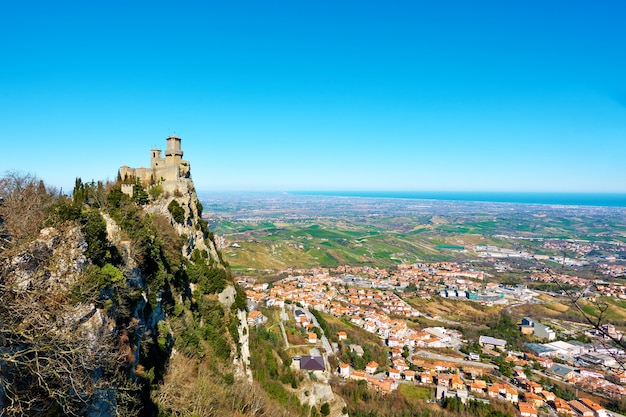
(564, 199)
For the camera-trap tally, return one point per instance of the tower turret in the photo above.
(155, 158)
(173, 152)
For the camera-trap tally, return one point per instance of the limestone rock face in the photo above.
(315, 393)
(227, 297)
(242, 363)
(52, 262)
(187, 199)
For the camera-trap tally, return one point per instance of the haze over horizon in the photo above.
(277, 95)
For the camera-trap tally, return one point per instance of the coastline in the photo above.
(544, 198)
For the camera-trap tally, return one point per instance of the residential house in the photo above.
(493, 391)
(344, 370)
(478, 386)
(532, 386)
(511, 394)
(581, 409)
(562, 407)
(598, 410)
(442, 366)
(384, 386)
(396, 353)
(444, 380)
(358, 376)
(394, 374)
(311, 363)
(371, 367)
(548, 396)
(393, 342)
(534, 399)
(505, 391)
(400, 365)
(591, 373)
(527, 410)
(256, 318)
(426, 378)
(456, 383)
(370, 326)
(619, 377)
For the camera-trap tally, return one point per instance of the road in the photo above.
(325, 344)
(283, 316)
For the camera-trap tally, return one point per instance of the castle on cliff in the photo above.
(169, 172)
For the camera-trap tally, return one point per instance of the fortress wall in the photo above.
(171, 168)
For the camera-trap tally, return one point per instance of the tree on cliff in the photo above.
(24, 203)
(55, 357)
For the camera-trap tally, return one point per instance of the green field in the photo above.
(327, 245)
(413, 392)
(276, 233)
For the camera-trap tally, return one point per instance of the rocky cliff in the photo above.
(103, 294)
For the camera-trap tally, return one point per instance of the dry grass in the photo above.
(192, 388)
(547, 310)
(453, 309)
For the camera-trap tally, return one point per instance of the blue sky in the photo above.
(303, 95)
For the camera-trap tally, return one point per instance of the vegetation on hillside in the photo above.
(99, 333)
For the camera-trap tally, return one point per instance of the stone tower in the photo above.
(155, 158)
(173, 152)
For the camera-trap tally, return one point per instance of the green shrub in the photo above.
(241, 301)
(163, 333)
(94, 228)
(140, 196)
(210, 280)
(229, 378)
(155, 191)
(63, 210)
(177, 212)
(95, 279)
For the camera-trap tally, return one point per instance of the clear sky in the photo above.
(320, 95)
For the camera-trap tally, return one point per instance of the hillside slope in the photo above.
(117, 305)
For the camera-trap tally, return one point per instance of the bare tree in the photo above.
(58, 356)
(24, 200)
(54, 356)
